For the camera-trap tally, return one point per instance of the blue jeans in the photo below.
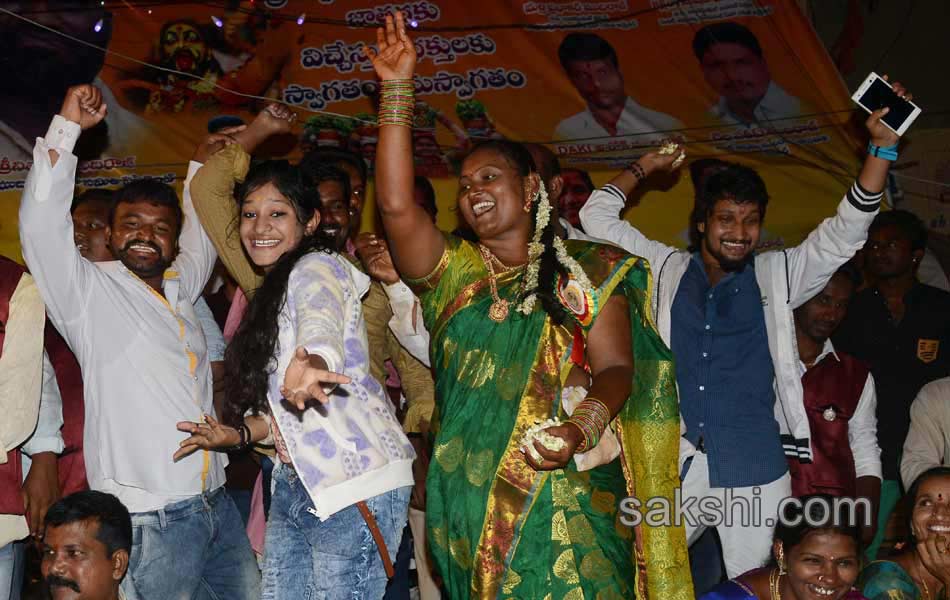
(195, 549)
(12, 559)
(309, 559)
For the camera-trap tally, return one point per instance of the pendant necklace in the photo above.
(498, 311)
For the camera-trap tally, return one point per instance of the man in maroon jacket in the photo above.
(41, 430)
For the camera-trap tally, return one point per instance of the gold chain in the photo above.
(498, 311)
(775, 591)
(923, 582)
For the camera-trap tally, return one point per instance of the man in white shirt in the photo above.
(928, 440)
(591, 64)
(733, 65)
(133, 328)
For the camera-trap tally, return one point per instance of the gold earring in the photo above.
(782, 570)
(527, 207)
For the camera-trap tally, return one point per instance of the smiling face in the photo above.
(335, 217)
(77, 566)
(492, 195)
(357, 193)
(736, 72)
(931, 511)
(270, 227)
(144, 236)
(823, 566)
(90, 226)
(730, 233)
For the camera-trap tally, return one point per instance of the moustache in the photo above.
(57, 581)
(151, 245)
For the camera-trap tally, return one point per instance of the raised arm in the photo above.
(227, 158)
(46, 227)
(416, 244)
(600, 215)
(812, 263)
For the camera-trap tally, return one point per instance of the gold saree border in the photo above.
(515, 484)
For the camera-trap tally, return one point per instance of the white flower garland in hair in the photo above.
(575, 269)
(535, 249)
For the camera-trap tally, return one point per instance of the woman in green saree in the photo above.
(516, 321)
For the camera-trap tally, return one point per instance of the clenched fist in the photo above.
(83, 104)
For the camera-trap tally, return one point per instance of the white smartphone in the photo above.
(875, 93)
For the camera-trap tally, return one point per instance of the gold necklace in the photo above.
(498, 311)
(775, 592)
(923, 582)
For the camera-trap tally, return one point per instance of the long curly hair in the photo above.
(549, 268)
(250, 358)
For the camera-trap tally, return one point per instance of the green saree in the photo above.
(499, 529)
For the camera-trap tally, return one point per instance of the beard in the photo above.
(727, 264)
(144, 269)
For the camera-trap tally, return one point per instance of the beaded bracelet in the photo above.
(637, 171)
(245, 435)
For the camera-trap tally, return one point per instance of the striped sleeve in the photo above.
(614, 190)
(864, 200)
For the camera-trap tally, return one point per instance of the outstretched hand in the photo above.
(307, 378)
(83, 104)
(654, 161)
(209, 435)
(881, 134)
(396, 57)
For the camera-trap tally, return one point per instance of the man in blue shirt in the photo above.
(726, 312)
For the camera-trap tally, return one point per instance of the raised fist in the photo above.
(83, 104)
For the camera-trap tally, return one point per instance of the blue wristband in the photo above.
(886, 152)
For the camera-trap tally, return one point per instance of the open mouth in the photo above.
(734, 246)
(264, 243)
(821, 590)
(941, 529)
(184, 61)
(482, 207)
(143, 249)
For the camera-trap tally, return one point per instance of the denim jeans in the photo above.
(309, 559)
(195, 549)
(12, 559)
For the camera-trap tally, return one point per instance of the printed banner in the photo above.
(600, 82)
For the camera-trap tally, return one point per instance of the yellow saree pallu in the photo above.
(499, 529)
